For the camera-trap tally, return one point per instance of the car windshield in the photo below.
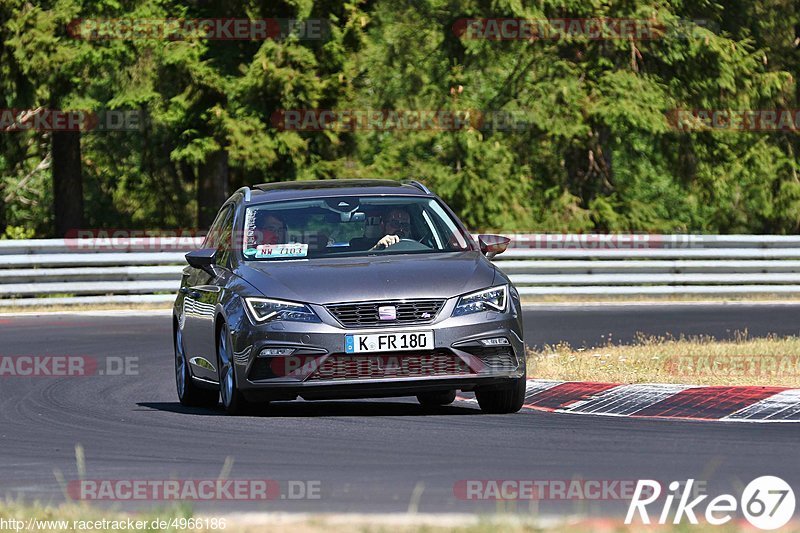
(349, 226)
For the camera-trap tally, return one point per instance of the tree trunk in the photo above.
(797, 56)
(67, 182)
(2, 209)
(212, 187)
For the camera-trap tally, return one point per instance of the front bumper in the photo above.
(319, 367)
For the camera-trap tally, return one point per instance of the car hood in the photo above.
(326, 281)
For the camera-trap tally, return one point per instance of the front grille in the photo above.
(346, 367)
(366, 314)
(261, 370)
(496, 358)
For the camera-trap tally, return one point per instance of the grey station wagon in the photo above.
(346, 289)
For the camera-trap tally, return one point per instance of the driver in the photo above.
(272, 229)
(395, 225)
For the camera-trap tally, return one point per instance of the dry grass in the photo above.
(329, 523)
(698, 360)
(471, 524)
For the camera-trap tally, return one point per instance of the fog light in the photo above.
(276, 352)
(496, 341)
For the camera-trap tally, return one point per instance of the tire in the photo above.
(431, 399)
(189, 394)
(508, 399)
(232, 398)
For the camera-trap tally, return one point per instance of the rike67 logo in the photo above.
(767, 502)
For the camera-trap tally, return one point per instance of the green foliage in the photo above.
(17, 232)
(592, 148)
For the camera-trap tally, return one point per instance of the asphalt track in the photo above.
(596, 324)
(367, 456)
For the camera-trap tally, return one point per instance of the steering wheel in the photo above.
(407, 245)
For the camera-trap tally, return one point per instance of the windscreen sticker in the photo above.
(249, 231)
(277, 251)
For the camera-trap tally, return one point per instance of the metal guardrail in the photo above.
(63, 272)
(42, 272)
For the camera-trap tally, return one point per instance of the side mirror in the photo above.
(204, 259)
(491, 245)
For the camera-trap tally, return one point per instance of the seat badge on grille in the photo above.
(387, 312)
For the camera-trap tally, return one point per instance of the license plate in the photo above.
(389, 342)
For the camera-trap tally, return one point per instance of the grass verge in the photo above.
(768, 361)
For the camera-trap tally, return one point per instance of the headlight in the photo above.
(265, 310)
(493, 299)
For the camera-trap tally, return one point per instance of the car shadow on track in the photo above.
(322, 408)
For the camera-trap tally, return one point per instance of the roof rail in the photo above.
(245, 191)
(419, 186)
